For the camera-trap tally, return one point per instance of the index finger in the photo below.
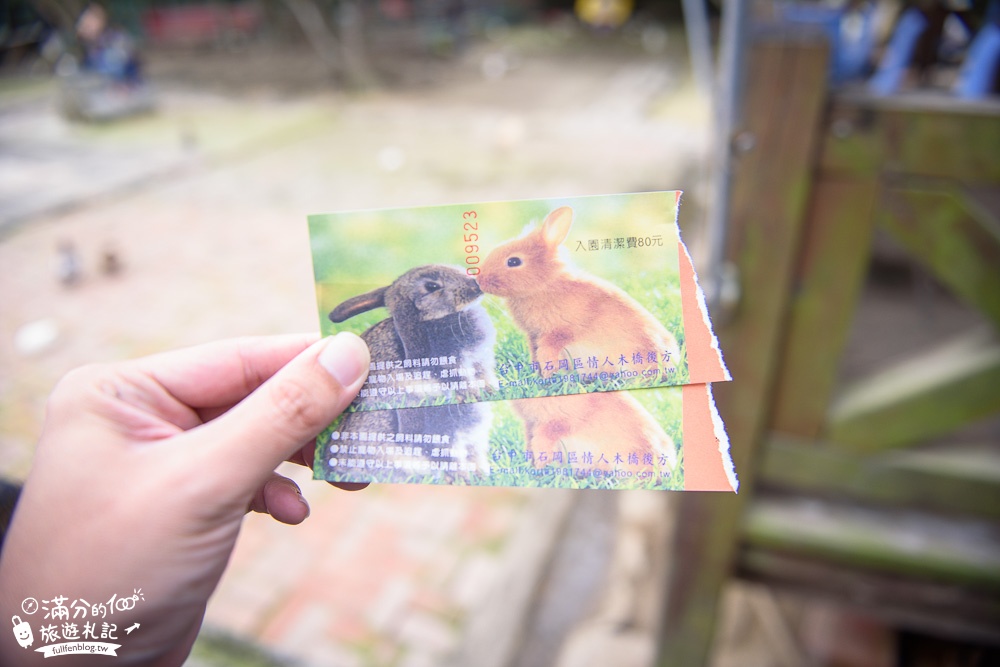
(222, 373)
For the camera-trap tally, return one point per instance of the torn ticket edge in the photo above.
(558, 441)
(708, 463)
(708, 360)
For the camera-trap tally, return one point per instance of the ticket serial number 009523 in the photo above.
(471, 237)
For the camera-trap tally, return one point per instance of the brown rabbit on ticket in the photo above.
(567, 313)
(603, 424)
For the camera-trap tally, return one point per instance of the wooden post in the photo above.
(786, 90)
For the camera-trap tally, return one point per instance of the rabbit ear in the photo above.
(359, 304)
(406, 320)
(556, 226)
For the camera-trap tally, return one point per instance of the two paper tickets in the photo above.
(545, 343)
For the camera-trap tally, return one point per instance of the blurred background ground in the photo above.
(202, 205)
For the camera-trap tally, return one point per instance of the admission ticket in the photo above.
(667, 436)
(508, 300)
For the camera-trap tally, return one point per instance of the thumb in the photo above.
(288, 410)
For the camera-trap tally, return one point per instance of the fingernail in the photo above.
(345, 357)
(302, 499)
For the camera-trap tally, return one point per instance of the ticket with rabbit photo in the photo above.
(668, 438)
(492, 301)
(658, 438)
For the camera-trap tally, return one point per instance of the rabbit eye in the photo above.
(513, 261)
(432, 286)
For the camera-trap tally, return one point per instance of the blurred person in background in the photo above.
(107, 50)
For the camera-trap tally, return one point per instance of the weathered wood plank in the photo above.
(952, 550)
(921, 398)
(831, 272)
(786, 92)
(913, 136)
(965, 480)
(943, 230)
(940, 609)
(983, 204)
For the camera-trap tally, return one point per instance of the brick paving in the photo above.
(383, 575)
(215, 245)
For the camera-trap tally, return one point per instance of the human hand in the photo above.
(145, 469)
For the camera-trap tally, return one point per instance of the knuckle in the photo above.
(252, 377)
(296, 407)
(78, 385)
(79, 377)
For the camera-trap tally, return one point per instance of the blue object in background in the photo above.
(851, 34)
(857, 41)
(898, 53)
(975, 79)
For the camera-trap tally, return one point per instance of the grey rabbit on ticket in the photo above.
(434, 312)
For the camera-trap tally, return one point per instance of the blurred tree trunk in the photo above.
(344, 52)
(354, 45)
(61, 13)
